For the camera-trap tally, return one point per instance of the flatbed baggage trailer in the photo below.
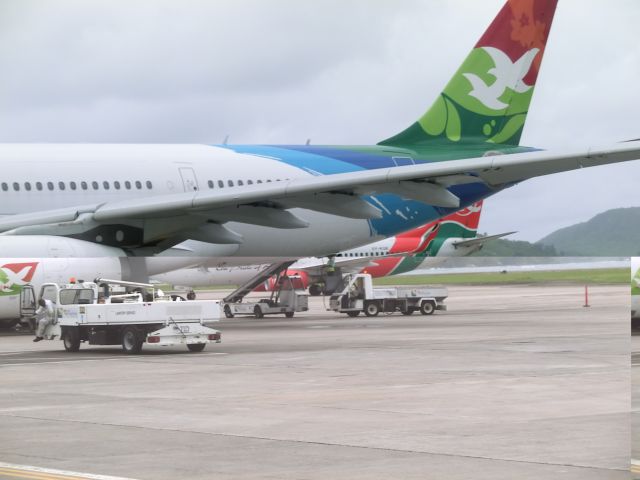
(359, 296)
(95, 313)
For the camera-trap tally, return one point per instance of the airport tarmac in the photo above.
(512, 382)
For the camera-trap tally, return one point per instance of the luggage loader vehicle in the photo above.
(358, 295)
(112, 312)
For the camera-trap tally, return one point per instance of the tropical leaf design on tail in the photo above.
(488, 98)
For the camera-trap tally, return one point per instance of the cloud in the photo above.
(337, 72)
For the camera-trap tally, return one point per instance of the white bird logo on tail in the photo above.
(508, 75)
(10, 278)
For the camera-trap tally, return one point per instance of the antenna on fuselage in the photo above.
(226, 140)
(308, 142)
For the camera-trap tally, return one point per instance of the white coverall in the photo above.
(44, 317)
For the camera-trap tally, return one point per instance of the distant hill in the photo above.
(512, 248)
(612, 233)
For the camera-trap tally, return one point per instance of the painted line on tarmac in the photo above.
(94, 359)
(39, 473)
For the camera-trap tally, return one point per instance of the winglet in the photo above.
(488, 99)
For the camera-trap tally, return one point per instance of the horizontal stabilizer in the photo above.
(480, 240)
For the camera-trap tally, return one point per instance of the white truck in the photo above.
(112, 312)
(358, 295)
(284, 299)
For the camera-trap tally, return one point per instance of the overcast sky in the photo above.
(334, 71)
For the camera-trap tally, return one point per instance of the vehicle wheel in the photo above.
(315, 290)
(289, 314)
(257, 311)
(227, 311)
(427, 308)
(372, 309)
(71, 339)
(191, 295)
(132, 340)
(196, 347)
(353, 314)
(407, 311)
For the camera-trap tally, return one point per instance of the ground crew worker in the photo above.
(44, 317)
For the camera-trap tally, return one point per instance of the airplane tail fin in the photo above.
(488, 98)
(467, 218)
(429, 238)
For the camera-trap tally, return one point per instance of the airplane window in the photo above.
(61, 185)
(16, 186)
(268, 181)
(138, 185)
(5, 187)
(127, 185)
(39, 186)
(50, 185)
(258, 181)
(73, 185)
(105, 185)
(249, 182)
(149, 185)
(27, 186)
(84, 185)
(230, 182)
(220, 183)
(240, 183)
(94, 185)
(210, 183)
(116, 185)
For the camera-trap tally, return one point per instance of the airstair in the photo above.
(242, 291)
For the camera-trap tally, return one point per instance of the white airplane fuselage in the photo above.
(50, 177)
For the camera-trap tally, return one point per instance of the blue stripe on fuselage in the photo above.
(310, 162)
(363, 160)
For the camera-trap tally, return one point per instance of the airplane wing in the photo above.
(480, 240)
(203, 213)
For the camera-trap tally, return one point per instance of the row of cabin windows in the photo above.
(361, 254)
(40, 186)
(240, 183)
(107, 185)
